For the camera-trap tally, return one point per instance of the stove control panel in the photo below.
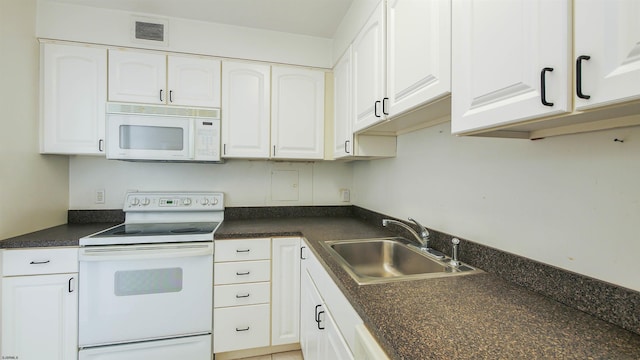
(174, 201)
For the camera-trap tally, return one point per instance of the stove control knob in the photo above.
(134, 201)
(204, 201)
(215, 201)
(186, 201)
(146, 201)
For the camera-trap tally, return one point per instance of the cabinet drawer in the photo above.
(241, 294)
(241, 272)
(39, 261)
(243, 249)
(242, 327)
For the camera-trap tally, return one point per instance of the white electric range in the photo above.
(146, 285)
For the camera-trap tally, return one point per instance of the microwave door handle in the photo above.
(194, 138)
(125, 253)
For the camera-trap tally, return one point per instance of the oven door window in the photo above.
(144, 282)
(140, 137)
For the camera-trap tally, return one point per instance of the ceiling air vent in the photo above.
(150, 31)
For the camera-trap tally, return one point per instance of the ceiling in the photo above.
(319, 18)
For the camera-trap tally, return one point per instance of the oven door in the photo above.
(144, 292)
(149, 137)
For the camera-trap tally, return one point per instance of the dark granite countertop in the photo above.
(62, 235)
(469, 317)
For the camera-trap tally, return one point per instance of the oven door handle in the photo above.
(144, 252)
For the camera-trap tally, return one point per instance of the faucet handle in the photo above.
(424, 233)
(454, 256)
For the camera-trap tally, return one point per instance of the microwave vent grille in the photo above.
(142, 109)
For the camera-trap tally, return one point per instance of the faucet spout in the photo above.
(422, 238)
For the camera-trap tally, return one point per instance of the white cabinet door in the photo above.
(285, 297)
(342, 114)
(608, 33)
(418, 53)
(369, 72)
(246, 109)
(137, 77)
(320, 337)
(310, 336)
(73, 96)
(40, 317)
(503, 51)
(297, 113)
(193, 81)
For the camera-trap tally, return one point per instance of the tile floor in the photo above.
(289, 355)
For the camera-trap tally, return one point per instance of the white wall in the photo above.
(569, 201)
(113, 27)
(244, 182)
(33, 187)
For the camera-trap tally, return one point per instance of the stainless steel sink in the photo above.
(389, 259)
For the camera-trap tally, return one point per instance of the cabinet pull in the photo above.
(101, 145)
(274, 150)
(320, 321)
(543, 86)
(579, 76)
(71, 289)
(224, 149)
(243, 250)
(161, 96)
(384, 101)
(170, 95)
(375, 108)
(40, 262)
(317, 315)
(238, 296)
(302, 256)
(242, 329)
(243, 273)
(346, 147)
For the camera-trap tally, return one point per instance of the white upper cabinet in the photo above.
(510, 62)
(73, 95)
(154, 78)
(342, 115)
(193, 81)
(418, 53)
(297, 113)
(369, 72)
(137, 77)
(607, 52)
(246, 109)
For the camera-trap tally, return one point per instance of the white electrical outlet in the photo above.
(345, 195)
(99, 196)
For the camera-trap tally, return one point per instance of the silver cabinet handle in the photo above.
(238, 296)
(243, 250)
(243, 273)
(242, 329)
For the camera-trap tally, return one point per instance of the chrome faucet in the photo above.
(422, 238)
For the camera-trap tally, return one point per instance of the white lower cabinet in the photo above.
(327, 319)
(285, 295)
(39, 307)
(241, 327)
(241, 293)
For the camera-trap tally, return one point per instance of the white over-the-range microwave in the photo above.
(140, 132)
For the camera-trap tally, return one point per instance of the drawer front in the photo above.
(241, 294)
(39, 261)
(241, 272)
(242, 249)
(242, 327)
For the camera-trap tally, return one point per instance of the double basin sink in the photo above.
(371, 261)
